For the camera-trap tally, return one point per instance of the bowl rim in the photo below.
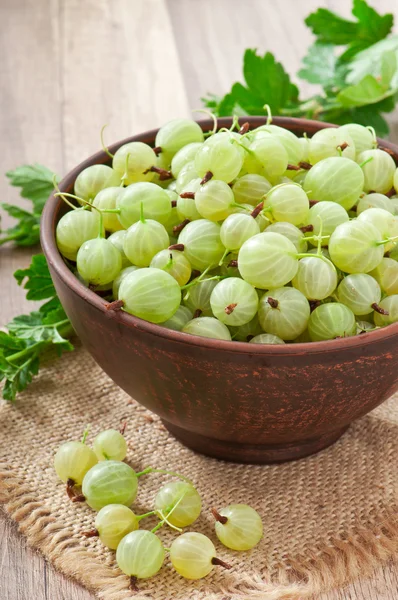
(47, 234)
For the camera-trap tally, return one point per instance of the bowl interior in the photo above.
(55, 208)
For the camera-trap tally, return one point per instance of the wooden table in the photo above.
(69, 66)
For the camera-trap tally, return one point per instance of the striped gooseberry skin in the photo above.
(180, 502)
(140, 554)
(150, 294)
(354, 247)
(98, 261)
(386, 275)
(155, 203)
(202, 243)
(220, 156)
(270, 154)
(110, 482)
(327, 143)
(143, 240)
(191, 555)
(113, 522)
(287, 202)
(107, 199)
(290, 231)
(118, 280)
(315, 278)
(236, 229)
(234, 301)
(325, 217)
(110, 445)
(173, 262)
(375, 200)
(75, 228)
(93, 179)
(176, 134)
(284, 312)
(138, 158)
(390, 305)
(243, 529)
(385, 222)
(359, 292)
(289, 141)
(250, 189)
(180, 318)
(266, 338)
(331, 321)
(199, 297)
(244, 333)
(185, 155)
(268, 260)
(207, 327)
(363, 138)
(186, 207)
(214, 200)
(117, 239)
(73, 460)
(378, 172)
(335, 179)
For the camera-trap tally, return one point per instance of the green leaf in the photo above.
(36, 183)
(319, 65)
(370, 61)
(364, 115)
(39, 282)
(388, 67)
(267, 80)
(369, 28)
(367, 91)
(372, 27)
(227, 106)
(330, 28)
(266, 83)
(26, 232)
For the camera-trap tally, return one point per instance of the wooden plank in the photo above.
(30, 117)
(119, 66)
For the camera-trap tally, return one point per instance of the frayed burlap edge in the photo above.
(334, 566)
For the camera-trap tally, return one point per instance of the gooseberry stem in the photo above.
(149, 470)
(224, 256)
(142, 218)
(64, 196)
(90, 534)
(220, 518)
(212, 116)
(267, 108)
(165, 519)
(105, 149)
(126, 170)
(220, 563)
(85, 434)
(365, 162)
(144, 516)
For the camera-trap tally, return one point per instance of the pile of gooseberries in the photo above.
(247, 235)
(100, 477)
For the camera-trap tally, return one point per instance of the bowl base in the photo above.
(252, 453)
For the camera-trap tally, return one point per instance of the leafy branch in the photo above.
(360, 82)
(36, 183)
(30, 336)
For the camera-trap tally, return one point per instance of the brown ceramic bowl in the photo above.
(231, 400)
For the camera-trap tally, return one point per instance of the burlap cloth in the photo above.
(327, 519)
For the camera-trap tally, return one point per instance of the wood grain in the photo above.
(68, 67)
